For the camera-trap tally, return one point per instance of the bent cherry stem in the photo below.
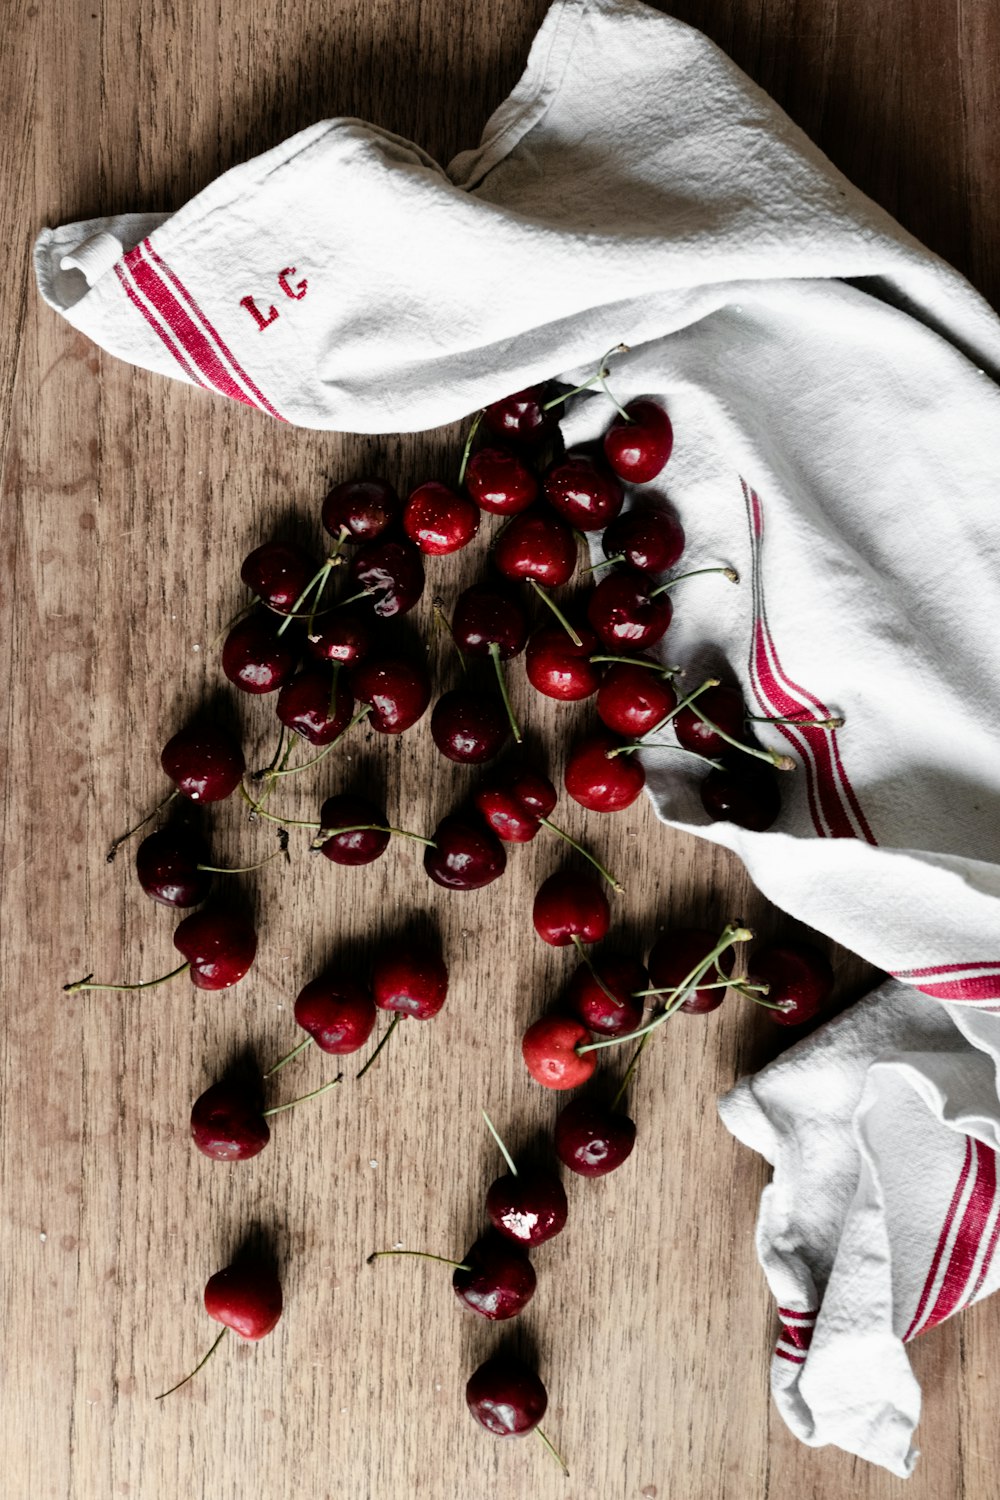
(245, 869)
(200, 1365)
(467, 450)
(123, 837)
(317, 583)
(146, 984)
(774, 757)
(727, 572)
(835, 721)
(382, 1041)
(458, 1265)
(554, 828)
(600, 378)
(277, 1109)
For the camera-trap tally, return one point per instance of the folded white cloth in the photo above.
(833, 391)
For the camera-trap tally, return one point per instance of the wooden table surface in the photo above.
(128, 503)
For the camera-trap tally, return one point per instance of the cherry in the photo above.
(725, 707)
(398, 692)
(625, 613)
(514, 801)
(204, 762)
(438, 521)
(559, 668)
(220, 948)
(528, 1207)
(167, 863)
(315, 704)
(228, 1123)
(600, 780)
(651, 541)
(496, 1279)
(363, 508)
(549, 1048)
(499, 482)
(343, 638)
(489, 621)
(799, 980)
(592, 1139)
(676, 954)
(537, 547)
(255, 658)
(465, 855)
(506, 1397)
(469, 727)
(583, 494)
(570, 908)
(278, 573)
(338, 1013)
(604, 995)
(632, 700)
(411, 980)
(521, 418)
(246, 1297)
(638, 448)
(366, 833)
(744, 792)
(391, 572)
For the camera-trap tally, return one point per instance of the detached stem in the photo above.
(147, 819)
(553, 828)
(458, 1265)
(145, 984)
(494, 1132)
(201, 1363)
(730, 573)
(245, 869)
(385, 1037)
(546, 597)
(324, 1088)
(555, 1453)
(501, 679)
(288, 1057)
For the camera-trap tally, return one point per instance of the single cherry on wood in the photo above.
(799, 980)
(528, 1205)
(228, 1121)
(245, 1297)
(639, 442)
(170, 866)
(550, 1048)
(439, 521)
(396, 690)
(650, 541)
(593, 1139)
(337, 1011)
(278, 573)
(495, 1279)
(570, 908)
(599, 779)
(500, 482)
(507, 1398)
(204, 761)
(411, 979)
(468, 727)
(558, 667)
(218, 947)
(466, 855)
(363, 508)
(255, 657)
(584, 493)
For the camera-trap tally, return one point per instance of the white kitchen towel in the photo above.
(833, 391)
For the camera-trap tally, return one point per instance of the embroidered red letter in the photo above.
(300, 290)
(256, 314)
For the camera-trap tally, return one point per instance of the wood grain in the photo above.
(128, 502)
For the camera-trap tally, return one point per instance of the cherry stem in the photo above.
(720, 984)
(332, 709)
(494, 1132)
(642, 661)
(315, 759)
(728, 572)
(554, 1451)
(240, 614)
(147, 819)
(324, 1088)
(288, 1057)
(578, 945)
(627, 1076)
(257, 810)
(385, 1037)
(245, 869)
(146, 984)
(835, 722)
(601, 376)
(782, 762)
(269, 775)
(612, 882)
(458, 1265)
(546, 598)
(325, 834)
(607, 562)
(443, 620)
(495, 654)
(467, 450)
(201, 1363)
(318, 583)
(644, 743)
(353, 598)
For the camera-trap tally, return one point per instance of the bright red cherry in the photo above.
(586, 496)
(246, 1297)
(638, 449)
(521, 418)
(278, 573)
(625, 614)
(366, 834)
(799, 980)
(438, 521)
(391, 572)
(397, 690)
(744, 792)
(255, 658)
(316, 704)
(570, 907)
(591, 1139)
(364, 508)
(465, 856)
(167, 863)
(529, 1207)
(220, 947)
(725, 707)
(513, 800)
(559, 668)
(500, 1279)
(632, 700)
(204, 762)
(411, 979)
(599, 780)
(338, 1012)
(651, 541)
(676, 954)
(469, 727)
(549, 1048)
(506, 1397)
(228, 1122)
(342, 637)
(536, 545)
(609, 1014)
(499, 482)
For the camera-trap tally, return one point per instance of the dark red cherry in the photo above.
(204, 762)
(219, 946)
(529, 1207)
(536, 545)
(651, 541)
(397, 690)
(438, 521)
(549, 1048)
(599, 780)
(500, 1281)
(585, 495)
(487, 616)
(255, 658)
(466, 855)
(625, 614)
(638, 449)
(278, 573)
(362, 843)
(745, 792)
(799, 980)
(499, 482)
(613, 1014)
(166, 863)
(411, 978)
(364, 508)
(632, 700)
(506, 1397)
(521, 418)
(343, 637)
(316, 704)
(338, 1012)
(513, 800)
(592, 1139)
(469, 727)
(560, 669)
(228, 1123)
(725, 707)
(246, 1297)
(391, 572)
(569, 906)
(676, 954)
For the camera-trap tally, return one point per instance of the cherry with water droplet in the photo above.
(278, 573)
(255, 657)
(521, 418)
(499, 482)
(604, 994)
(363, 508)
(343, 638)
(204, 761)
(536, 547)
(638, 448)
(599, 779)
(468, 727)
(398, 692)
(592, 1139)
(583, 493)
(316, 704)
(514, 801)
(559, 668)
(228, 1121)
(390, 572)
(337, 1011)
(439, 521)
(219, 949)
